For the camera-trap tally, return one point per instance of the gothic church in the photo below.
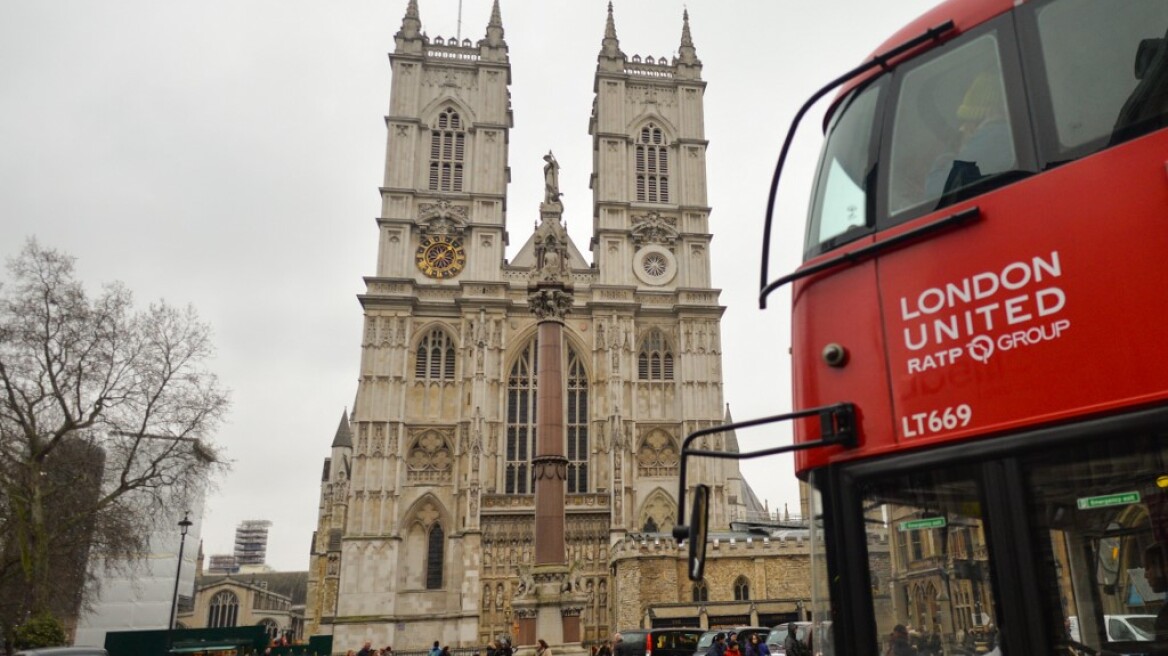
(426, 515)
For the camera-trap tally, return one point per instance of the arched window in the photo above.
(447, 151)
(655, 361)
(270, 627)
(577, 424)
(521, 390)
(435, 357)
(224, 610)
(652, 165)
(520, 442)
(701, 592)
(435, 550)
(741, 589)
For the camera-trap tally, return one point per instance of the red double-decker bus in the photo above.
(979, 339)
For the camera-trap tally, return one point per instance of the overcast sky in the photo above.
(227, 154)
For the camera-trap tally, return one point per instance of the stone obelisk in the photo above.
(549, 603)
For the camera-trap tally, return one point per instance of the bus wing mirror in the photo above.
(698, 530)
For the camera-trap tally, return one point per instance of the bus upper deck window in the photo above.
(1106, 70)
(952, 127)
(840, 203)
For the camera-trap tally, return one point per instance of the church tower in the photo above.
(428, 533)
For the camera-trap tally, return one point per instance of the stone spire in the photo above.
(343, 438)
(409, 38)
(610, 45)
(494, 28)
(687, 54)
(411, 24)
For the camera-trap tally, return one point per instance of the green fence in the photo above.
(245, 640)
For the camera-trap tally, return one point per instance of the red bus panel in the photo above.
(1021, 318)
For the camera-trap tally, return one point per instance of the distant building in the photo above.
(222, 564)
(273, 600)
(251, 542)
(251, 550)
(141, 597)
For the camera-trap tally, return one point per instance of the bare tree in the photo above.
(106, 415)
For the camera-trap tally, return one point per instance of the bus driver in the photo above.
(985, 143)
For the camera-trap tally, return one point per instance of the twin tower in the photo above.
(496, 395)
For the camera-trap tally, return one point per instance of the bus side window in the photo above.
(1106, 72)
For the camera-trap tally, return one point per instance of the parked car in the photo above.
(777, 637)
(741, 633)
(658, 642)
(1121, 628)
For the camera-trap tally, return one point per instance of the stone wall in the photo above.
(651, 581)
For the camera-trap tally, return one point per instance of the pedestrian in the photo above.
(435, 650)
(542, 648)
(445, 651)
(898, 644)
(792, 645)
(367, 650)
(1156, 573)
(757, 646)
(732, 648)
(719, 646)
(605, 649)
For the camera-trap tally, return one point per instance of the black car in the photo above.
(658, 642)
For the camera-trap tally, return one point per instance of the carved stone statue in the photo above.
(551, 178)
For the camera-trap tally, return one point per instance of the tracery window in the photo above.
(270, 627)
(435, 357)
(655, 361)
(224, 610)
(520, 440)
(741, 589)
(521, 395)
(447, 151)
(435, 548)
(652, 165)
(701, 592)
(577, 424)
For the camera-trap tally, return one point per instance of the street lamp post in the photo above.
(183, 526)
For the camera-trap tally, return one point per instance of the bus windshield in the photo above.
(840, 206)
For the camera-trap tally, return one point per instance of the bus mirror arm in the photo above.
(962, 217)
(882, 60)
(837, 428)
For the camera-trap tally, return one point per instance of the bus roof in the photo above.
(965, 14)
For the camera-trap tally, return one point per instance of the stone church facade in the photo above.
(427, 509)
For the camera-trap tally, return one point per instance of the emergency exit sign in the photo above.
(918, 524)
(1108, 500)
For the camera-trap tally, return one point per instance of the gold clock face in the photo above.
(440, 256)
